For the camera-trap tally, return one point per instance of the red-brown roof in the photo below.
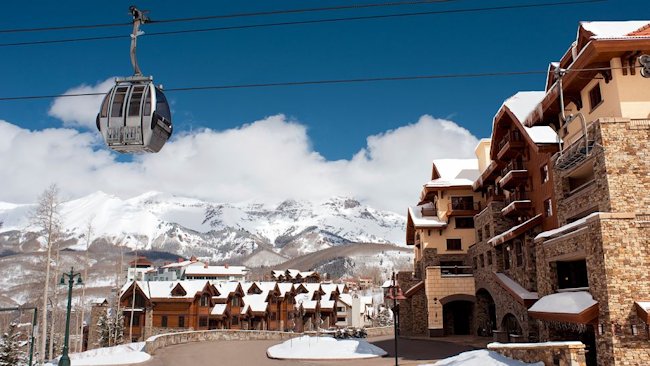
(641, 32)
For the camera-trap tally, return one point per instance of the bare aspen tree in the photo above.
(55, 298)
(46, 218)
(89, 233)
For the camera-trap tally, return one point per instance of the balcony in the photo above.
(516, 204)
(515, 173)
(510, 145)
(430, 211)
(463, 208)
(456, 271)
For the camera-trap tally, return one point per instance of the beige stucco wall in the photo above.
(624, 96)
(437, 287)
(482, 152)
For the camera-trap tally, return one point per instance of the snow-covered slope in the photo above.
(219, 231)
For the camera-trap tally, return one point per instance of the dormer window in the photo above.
(205, 300)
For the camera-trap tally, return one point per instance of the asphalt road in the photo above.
(244, 353)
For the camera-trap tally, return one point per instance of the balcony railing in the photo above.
(511, 136)
(453, 271)
(517, 196)
(464, 206)
(513, 165)
(429, 211)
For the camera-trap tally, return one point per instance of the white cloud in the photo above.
(271, 160)
(81, 111)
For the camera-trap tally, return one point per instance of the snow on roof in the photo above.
(425, 221)
(219, 309)
(216, 270)
(226, 288)
(522, 104)
(511, 230)
(609, 30)
(450, 168)
(564, 302)
(257, 303)
(645, 305)
(163, 289)
(387, 284)
(346, 299)
(327, 304)
(285, 287)
(566, 228)
(517, 288)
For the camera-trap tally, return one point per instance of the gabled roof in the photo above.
(420, 221)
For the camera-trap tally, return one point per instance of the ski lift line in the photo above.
(312, 21)
(233, 15)
(325, 82)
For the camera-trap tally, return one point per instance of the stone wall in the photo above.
(96, 311)
(413, 311)
(163, 340)
(551, 353)
(160, 341)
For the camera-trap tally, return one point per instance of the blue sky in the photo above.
(373, 141)
(339, 117)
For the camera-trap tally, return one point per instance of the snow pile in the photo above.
(482, 358)
(564, 302)
(118, 355)
(324, 348)
(516, 288)
(522, 105)
(567, 227)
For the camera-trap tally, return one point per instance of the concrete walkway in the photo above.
(411, 352)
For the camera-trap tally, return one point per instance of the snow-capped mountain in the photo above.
(218, 231)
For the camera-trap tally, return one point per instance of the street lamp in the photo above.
(65, 359)
(395, 293)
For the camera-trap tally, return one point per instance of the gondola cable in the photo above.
(304, 22)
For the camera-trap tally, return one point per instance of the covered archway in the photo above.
(458, 314)
(511, 326)
(486, 313)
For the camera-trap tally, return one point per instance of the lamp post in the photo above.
(395, 293)
(65, 359)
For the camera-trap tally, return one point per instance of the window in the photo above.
(595, 98)
(489, 257)
(235, 301)
(181, 321)
(548, 207)
(475, 263)
(454, 244)
(205, 300)
(572, 274)
(163, 322)
(340, 319)
(104, 111)
(136, 99)
(136, 318)
(481, 259)
(235, 320)
(479, 234)
(487, 232)
(203, 321)
(544, 173)
(464, 222)
(340, 309)
(162, 108)
(462, 203)
(506, 258)
(272, 316)
(118, 101)
(519, 253)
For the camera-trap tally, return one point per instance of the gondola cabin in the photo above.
(135, 116)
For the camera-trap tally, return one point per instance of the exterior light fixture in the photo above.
(644, 60)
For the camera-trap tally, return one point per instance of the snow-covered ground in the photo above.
(481, 357)
(118, 355)
(324, 348)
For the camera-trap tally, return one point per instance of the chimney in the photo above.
(205, 265)
(226, 265)
(180, 259)
(193, 259)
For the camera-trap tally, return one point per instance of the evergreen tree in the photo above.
(385, 317)
(11, 353)
(111, 329)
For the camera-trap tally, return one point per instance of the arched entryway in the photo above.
(486, 313)
(511, 326)
(458, 314)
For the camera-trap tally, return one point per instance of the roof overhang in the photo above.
(587, 316)
(414, 289)
(516, 231)
(643, 310)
